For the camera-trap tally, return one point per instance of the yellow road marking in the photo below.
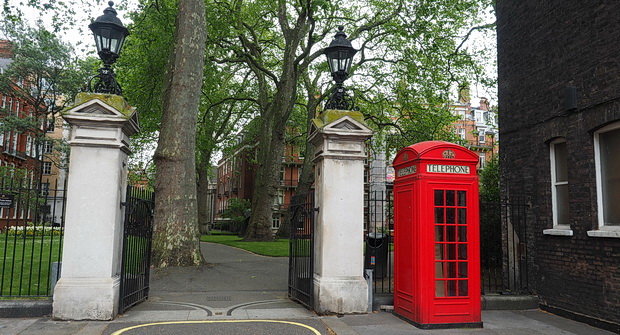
(121, 331)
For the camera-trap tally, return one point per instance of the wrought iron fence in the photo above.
(378, 238)
(31, 225)
(503, 227)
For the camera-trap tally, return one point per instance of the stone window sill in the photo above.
(558, 232)
(612, 232)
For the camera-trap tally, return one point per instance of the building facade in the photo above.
(32, 152)
(559, 112)
(236, 174)
(477, 127)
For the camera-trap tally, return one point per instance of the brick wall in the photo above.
(544, 46)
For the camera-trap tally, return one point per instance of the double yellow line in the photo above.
(121, 331)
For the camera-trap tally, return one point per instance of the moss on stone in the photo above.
(115, 101)
(330, 115)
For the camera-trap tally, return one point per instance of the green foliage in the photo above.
(489, 181)
(238, 211)
(277, 248)
(45, 68)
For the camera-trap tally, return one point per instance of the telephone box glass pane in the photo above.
(439, 234)
(462, 216)
(463, 270)
(440, 288)
(439, 251)
(438, 198)
(451, 269)
(451, 248)
(462, 234)
(451, 288)
(462, 198)
(439, 215)
(463, 288)
(463, 251)
(451, 233)
(450, 215)
(449, 198)
(439, 270)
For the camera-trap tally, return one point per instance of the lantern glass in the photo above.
(109, 40)
(109, 34)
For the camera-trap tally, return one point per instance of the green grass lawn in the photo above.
(26, 264)
(278, 248)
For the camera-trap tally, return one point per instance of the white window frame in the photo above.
(482, 158)
(558, 229)
(48, 146)
(14, 143)
(482, 135)
(276, 220)
(46, 168)
(278, 200)
(29, 146)
(603, 229)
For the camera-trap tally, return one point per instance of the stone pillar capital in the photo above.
(101, 120)
(339, 135)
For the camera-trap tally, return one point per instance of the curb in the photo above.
(489, 302)
(509, 302)
(25, 308)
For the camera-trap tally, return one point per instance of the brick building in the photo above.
(477, 127)
(559, 111)
(236, 173)
(32, 151)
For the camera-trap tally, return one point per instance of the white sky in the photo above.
(79, 32)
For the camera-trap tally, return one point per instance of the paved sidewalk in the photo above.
(242, 293)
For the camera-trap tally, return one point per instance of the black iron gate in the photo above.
(301, 252)
(138, 231)
(503, 242)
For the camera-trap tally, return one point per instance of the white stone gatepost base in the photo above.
(91, 257)
(339, 284)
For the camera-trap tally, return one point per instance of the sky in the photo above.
(78, 35)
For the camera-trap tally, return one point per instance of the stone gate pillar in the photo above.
(339, 285)
(91, 257)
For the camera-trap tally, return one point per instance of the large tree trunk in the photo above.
(176, 237)
(306, 178)
(203, 192)
(270, 150)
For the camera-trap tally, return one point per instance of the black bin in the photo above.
(377, 247)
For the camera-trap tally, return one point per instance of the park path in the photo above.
(233, 283)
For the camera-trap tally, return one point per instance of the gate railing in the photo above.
(31, 226)
(301, 250)
(137, 237)
(503, 227)
(378, 238)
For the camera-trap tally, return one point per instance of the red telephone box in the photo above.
(437, 236)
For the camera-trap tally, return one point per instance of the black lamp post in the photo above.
(339, 57)
(109, 34)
